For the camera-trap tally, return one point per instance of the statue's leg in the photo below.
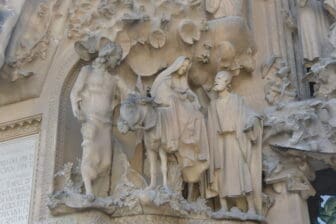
(250, 203)
(152, 163)
(163, 158)
(88, 188)
(190, 191)
(88, 172)
(87, 177)
(223, 203)
(241, 203)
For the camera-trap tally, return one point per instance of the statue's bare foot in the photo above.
(220, 214)
(251, 211)
(222, 210)
(150, 187)
(235, 210)
(90, 197)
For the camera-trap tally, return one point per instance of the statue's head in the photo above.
(222, 81)
(133, 112)
(184, 67)
(111, 53)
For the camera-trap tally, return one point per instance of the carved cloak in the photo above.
(231, 149)
(182, 125)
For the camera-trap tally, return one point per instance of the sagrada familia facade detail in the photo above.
(167, 111)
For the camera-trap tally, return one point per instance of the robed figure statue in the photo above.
(182, 125)
(234, 131)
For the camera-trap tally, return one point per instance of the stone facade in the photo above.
(165, 111)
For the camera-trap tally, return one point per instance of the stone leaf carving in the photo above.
(306, 125)
(279, 88)
(323, 75)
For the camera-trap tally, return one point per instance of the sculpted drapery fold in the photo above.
(182, 125)
(234, 132)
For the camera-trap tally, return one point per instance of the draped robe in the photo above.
(230, 147)
(182, 125)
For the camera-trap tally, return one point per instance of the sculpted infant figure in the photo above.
(94, 96)
(233, 130)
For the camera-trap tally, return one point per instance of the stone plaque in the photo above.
(16, 174)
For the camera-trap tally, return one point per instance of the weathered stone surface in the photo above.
(167, 111)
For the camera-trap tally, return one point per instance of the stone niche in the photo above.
(117, 151)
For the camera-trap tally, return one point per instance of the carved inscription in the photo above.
(16, 172)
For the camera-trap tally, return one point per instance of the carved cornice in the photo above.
(19, 128)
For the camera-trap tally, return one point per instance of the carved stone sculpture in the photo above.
(221, 8)
(8, 18)
(165, 118)
(174, 126)
(306, 128)
(308, 31)
(287, 179)
(279, 88)
(193, 151)
(330, 6)
(234, 133)
(323, 76)
(93, 99)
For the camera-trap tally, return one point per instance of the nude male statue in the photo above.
(93, 98)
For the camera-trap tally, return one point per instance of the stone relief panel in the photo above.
(298, 140)
(10, 12)
(287, 179)
(33, 43)
(147, 118)
(279, 88)
(162, 102)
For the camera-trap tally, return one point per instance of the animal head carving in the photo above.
(137, 112)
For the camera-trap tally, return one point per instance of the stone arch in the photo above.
(65, 62)
(68, 131)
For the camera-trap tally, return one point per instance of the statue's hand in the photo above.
(248, 127)
(250, 130)
(251, 125)
(77, 111)
(190, 97)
